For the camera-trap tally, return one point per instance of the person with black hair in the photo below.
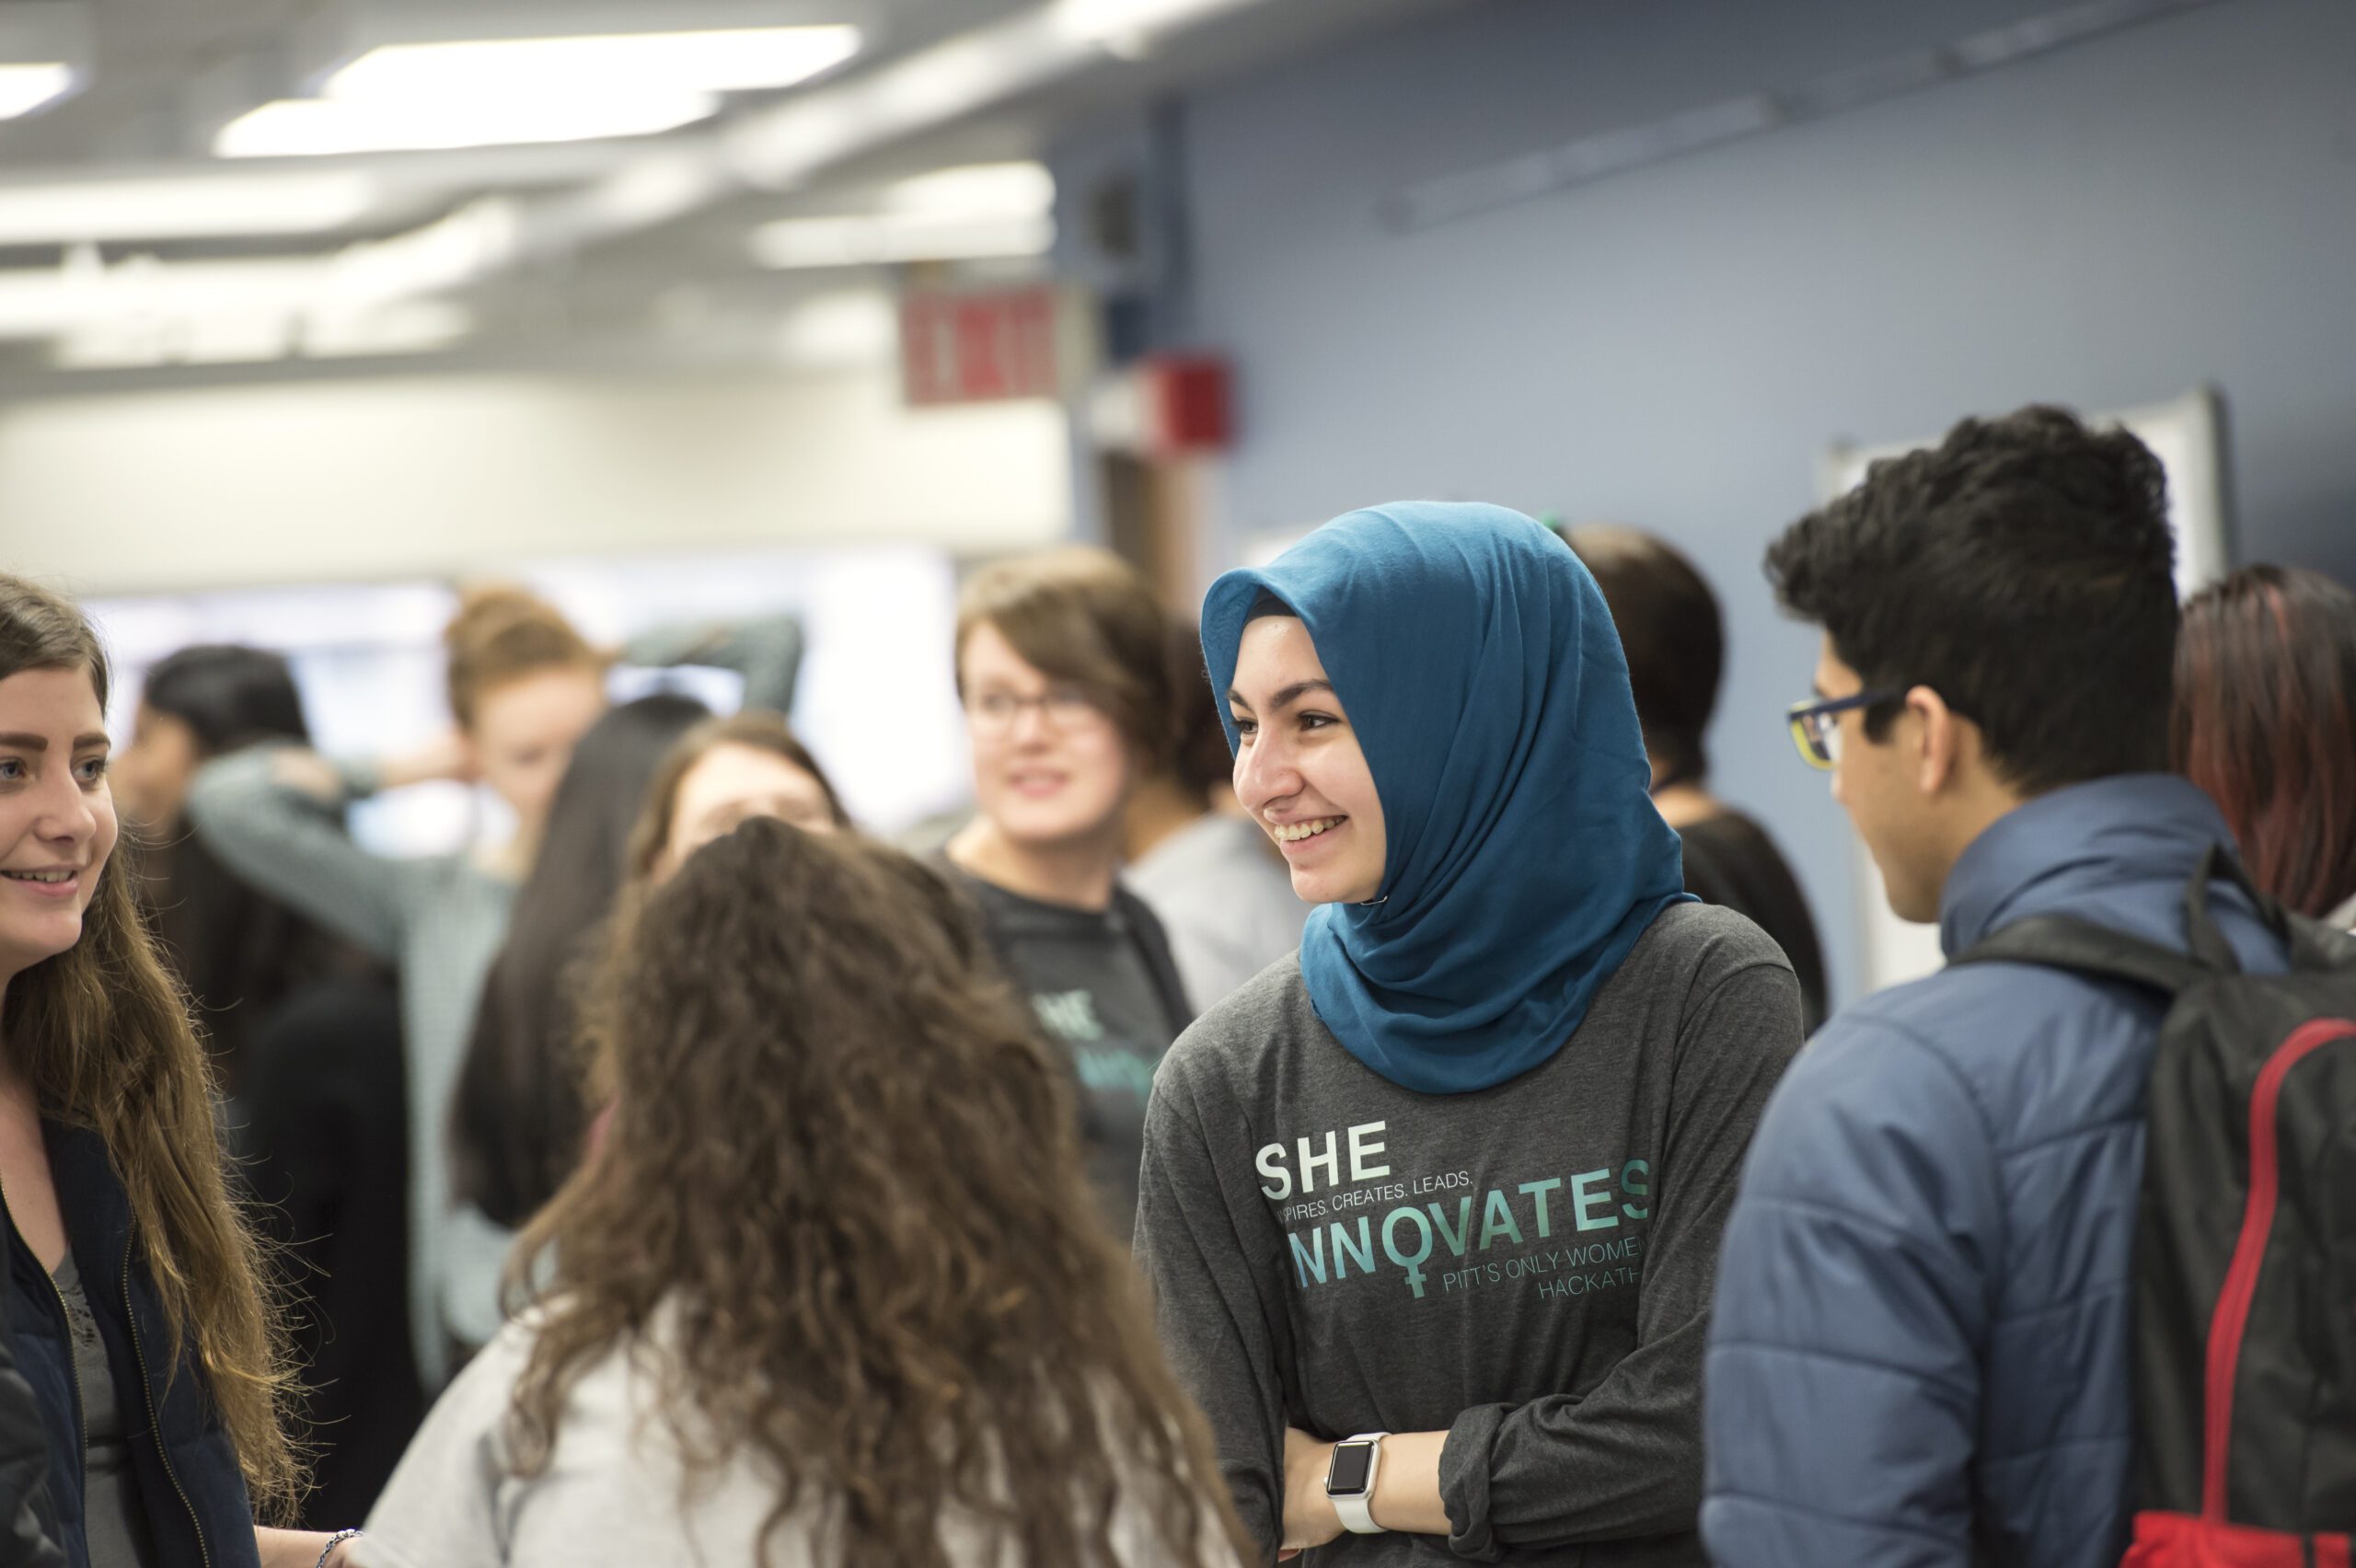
(1669, 624)
(1920, 1349)
(240, 951)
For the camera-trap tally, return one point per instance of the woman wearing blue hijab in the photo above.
(1431, 1212)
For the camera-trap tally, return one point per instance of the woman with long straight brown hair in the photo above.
(830, 1289)
(2266, 723)
(141, 1319)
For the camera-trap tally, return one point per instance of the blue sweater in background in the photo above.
(1920, 1348)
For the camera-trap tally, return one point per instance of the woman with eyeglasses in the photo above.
(1062, 669)
(1431, 1215)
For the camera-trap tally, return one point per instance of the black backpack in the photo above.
(2245, 1369)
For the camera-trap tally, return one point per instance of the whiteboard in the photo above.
(2186, 434)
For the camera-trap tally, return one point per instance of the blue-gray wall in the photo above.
(2106, 226)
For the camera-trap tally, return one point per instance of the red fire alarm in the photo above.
(1192, 409)
(1165, 405)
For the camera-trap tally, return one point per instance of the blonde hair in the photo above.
(501, 633)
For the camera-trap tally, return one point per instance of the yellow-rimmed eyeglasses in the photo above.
(1816, 727)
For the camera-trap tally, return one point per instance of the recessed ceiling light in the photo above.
(24, 89)
(721, 59)
(317, 127)
(1123, 24)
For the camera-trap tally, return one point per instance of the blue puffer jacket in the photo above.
(1919, 1353)
(193, 1494)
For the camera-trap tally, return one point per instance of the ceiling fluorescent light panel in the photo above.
(25, 87)
(1123, 25)
(723, 61)
(45, 49)
(320, 127)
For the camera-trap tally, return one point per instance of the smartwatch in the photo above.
(1349, 1481)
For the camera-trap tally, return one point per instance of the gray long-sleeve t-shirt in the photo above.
(1527, 1267)
(441, 918)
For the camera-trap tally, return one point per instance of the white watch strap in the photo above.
(1356, 1511)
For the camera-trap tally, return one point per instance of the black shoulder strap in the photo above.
(2200, 930)
(2063, 941)
(2060, 941)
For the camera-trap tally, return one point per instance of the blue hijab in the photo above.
(1478, 666)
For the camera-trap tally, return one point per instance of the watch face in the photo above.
(1351, 1463)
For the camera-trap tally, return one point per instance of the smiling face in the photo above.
(1050, 767)
(525, 730)
(1298, 769)
(57, 821)
(731, 783)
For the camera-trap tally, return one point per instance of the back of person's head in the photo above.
(100, 1034)
(1671, 631)
(227, 695)
(2023, 570)
(501, 634)
(240, 951)
(660, 836)
(2266, 723)
(518, 1111)
(1083, 616)
(840, 1157)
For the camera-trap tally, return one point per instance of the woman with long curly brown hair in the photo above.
(141, 1321)
(835, 1243)
(626, 815)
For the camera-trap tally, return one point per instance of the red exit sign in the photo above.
(980, 347)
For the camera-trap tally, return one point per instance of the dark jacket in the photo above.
(28, 1522)
(187, 1473)
(1920, 1343)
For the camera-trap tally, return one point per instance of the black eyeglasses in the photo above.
(1814, 730)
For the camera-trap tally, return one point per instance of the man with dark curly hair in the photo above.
(1921, 1345)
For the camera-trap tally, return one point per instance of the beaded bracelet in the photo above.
(333, 1541)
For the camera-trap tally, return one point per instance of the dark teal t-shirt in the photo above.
(1106, 993)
